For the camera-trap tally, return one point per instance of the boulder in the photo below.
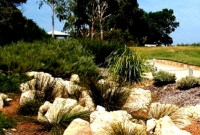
(27, 96)
(164, 126)
(101, 121)
(42, 111)
(87, 100)
(59, 108)
(78, 127)
(139, 100)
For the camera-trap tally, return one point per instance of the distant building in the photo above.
(58, 34)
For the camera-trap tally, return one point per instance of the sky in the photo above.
(187, 13)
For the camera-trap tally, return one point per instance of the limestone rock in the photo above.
(192, 111)
(78, 127)
(139, 100)
(87, 100)
(1, 103)
(27, 96)
(42, 111)
(59, 108)
(75, 78)
(101, 121)
(164, 126)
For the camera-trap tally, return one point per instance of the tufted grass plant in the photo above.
(119, 128)
(188, 82)
(64, 118)
(158, 111)
(30, 108)
(127, 64)
(163, 77)
(110, 95)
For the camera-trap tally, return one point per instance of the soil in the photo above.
(27, 125)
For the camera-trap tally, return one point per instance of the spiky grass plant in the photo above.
(64, 118)
(119, 128)
(158, 111)
(110, 95)
(5, 123)
(163, 77)
(127, 64)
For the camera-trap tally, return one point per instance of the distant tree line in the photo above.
(112, 20)
(14, 26)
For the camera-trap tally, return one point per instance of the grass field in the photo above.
(183, 54)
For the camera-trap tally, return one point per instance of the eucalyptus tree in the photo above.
(53, 4)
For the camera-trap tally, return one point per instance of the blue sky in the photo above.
(187, 13)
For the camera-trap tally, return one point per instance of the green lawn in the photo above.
(183, 54)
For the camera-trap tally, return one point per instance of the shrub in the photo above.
(10, 83)
(5, 123)
(30, 108)
(100, 49)
(163, 77)
(188, 82)
(57, 57)
(109, 95)
(127, 64)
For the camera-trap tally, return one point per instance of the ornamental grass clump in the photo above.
(119, 128)
(127, 64)
(188, 82)
(162, 78)
(64, 118)
(110, 95)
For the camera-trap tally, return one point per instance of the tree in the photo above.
(161, 24)
(53, 4)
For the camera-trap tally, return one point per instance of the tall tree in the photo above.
(161, 25)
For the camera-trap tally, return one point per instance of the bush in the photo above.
(57, 57)
(30, 108)
(100, 49)
(5, 122)
(127, 64)
(188, 82)
(11, 83)
(163, 78)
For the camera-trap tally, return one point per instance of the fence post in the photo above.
(154, 61)
(190, 71)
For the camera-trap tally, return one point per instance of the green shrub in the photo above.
(163, 77)
(188, 82)
(11, 83)
(30, 108)
(57, 57)
(127, 64)
(100, 49)
(109, 95)
(5, 122)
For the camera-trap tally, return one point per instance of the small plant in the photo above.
(158, 111)
(188, 82)
(127, 64)
(30, 108)
(64, 118)
(5, 123)
(162, 78)
(119, 128)
(110, 95)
